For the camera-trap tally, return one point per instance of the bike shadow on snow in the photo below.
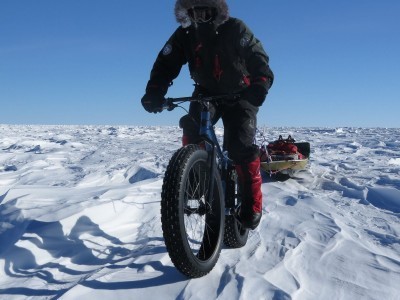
(62, 251)
(281, 177)
(266, 177)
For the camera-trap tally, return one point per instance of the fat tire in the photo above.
(173, 205)
(235, 236)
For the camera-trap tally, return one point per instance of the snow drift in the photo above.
(80, 217)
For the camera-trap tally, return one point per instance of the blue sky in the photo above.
(336, 63)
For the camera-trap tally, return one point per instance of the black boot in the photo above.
(248, 219)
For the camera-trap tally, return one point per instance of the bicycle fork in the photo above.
(225, 165)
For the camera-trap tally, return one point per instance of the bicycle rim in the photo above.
(192, 222)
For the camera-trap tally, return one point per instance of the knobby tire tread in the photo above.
(233, 238)
(170, 212)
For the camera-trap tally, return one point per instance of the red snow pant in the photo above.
(250, 180)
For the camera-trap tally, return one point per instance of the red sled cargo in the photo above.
(284, 156)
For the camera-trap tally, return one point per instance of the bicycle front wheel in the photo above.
(192, 220)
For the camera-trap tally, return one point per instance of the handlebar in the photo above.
(171, 103)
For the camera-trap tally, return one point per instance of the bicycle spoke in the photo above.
(197, 207)
(192, 218)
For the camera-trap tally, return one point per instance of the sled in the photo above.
(284, 156)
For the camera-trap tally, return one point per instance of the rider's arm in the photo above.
(168, 64)
(257, 60)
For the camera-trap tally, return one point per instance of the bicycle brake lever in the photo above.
(171, 107)
(168, 105)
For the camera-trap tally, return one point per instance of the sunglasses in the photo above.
(200, 14)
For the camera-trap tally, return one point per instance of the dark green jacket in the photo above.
(226, 59)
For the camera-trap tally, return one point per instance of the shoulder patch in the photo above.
(167, 49)
(244, 41)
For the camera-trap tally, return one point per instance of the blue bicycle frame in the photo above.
(206, 131)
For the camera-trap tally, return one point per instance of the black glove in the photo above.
(153, 101)
(255, 94)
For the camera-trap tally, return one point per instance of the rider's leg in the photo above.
(250, 185)
(187, 139)
(190, 123)
(240, 127)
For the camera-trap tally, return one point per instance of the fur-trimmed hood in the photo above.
(182, 6)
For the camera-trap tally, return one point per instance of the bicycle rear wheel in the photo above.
(192, 222)
(235, 235)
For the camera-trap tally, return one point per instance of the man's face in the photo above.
(202, 14)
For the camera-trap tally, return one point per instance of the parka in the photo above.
(223, 57)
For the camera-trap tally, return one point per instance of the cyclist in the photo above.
(224, 57)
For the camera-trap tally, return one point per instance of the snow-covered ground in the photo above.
(80, 218)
